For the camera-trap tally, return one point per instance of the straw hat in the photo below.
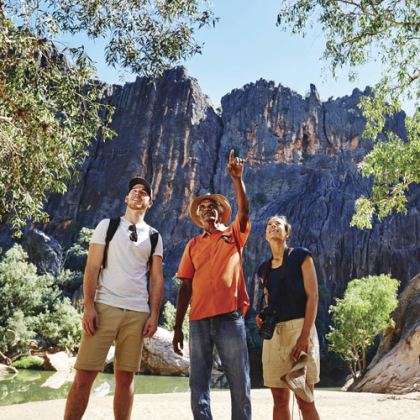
(219, 199)
(296, 379)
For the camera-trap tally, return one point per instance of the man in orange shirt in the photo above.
(213, 281)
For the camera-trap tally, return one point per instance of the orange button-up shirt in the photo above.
(214, 263)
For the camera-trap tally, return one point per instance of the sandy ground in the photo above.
(331, 405)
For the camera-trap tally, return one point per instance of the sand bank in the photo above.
(332, 405)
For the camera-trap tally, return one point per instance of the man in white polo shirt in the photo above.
(117, 304)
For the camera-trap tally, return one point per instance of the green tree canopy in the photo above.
(360, 316)
(50, 104)
(146, 36)
(359, 31)
(49, 114)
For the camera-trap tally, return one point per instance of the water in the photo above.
(30, 385)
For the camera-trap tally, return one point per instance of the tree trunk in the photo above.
(363, 370)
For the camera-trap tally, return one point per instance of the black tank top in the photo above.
(285, 284)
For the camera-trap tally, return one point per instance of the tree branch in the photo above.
(2, 355)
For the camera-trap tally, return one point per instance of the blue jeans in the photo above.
(227, 332)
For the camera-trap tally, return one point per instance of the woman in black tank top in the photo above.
(289, 284)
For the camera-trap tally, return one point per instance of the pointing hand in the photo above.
(235, 165)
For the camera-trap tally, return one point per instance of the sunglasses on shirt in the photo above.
(133, 234)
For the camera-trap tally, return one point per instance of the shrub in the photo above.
(69, 281)
(168, 319)
(360, 316)
(80, 247)
(23, 295)
(61, 326)
(31, 306)
(29, 362)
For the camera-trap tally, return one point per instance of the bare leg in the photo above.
(78, 397)
(124, 394)
(307, 409)
(281, 398)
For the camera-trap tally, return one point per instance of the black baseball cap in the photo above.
(137, 180)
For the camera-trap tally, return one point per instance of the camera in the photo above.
(269, 316)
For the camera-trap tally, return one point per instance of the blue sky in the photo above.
(246, 45)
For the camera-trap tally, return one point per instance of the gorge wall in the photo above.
(302, 157)
(301, 161)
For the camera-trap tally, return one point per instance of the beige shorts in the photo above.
(123, 326)
(276, 354)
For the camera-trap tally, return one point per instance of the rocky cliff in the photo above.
(395, 368)
(301, 161)
(169, 133)
(301, 153)
(302, 157)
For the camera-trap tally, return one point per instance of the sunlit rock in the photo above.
(396, 367)
(159, 357)
(58, 361)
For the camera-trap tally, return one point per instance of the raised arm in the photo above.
(156, 294)
(90, 283)
(235, 168)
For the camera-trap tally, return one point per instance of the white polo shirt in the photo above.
(123, 282)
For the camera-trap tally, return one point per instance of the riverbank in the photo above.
(331, 406)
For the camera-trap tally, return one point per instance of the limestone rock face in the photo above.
(302, 155)
(168, 133)
(159, 357)
(272, 124)
(6, 370)
(43, 251)
(58, 361)
(396, 366)
(398, 371)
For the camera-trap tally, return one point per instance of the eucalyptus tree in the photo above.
(357, 32)
(50, 102)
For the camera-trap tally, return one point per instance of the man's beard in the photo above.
(136, 206)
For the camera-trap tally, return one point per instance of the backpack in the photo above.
(112, 228)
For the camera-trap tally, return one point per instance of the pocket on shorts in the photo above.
(272, 350)
(266, 353)
(313, 339)
(101, 307)
(288, 338)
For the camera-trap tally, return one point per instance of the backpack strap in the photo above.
(112, 228)
(154, 236)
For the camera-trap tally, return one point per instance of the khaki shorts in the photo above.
(123, 326)
(276, 354)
